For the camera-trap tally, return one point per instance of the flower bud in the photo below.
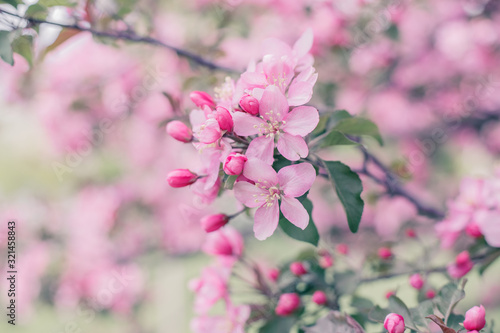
(389, 294)
(224, 242)
(297, 268)
(342, 249)
(475, 319)
(319, 297)
(416, 281)
(224, 119)
(463, 264)
(430, 294)
(394, 323)
(179, 131)
(384, 253)
(473, 230)
(214, 222)
(273, 274)
(234, 163)
(201, 98)
(411, 233)
(250, 105)
(287, 304)
(325, 261)
(181, 178)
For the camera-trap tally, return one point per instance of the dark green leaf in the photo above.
(359, 126)
(454, 321)
(23, 45)
(419, 314)
(447, 298)
(335, 138)
(13, 3)
(396, 305)
(6, 48)
(378, 314)
(309, 234)
(328, 120)
(348, 187)
(278, 324)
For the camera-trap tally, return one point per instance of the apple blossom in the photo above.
(181, 178)
(249, 104)
(319, 297)
(224, 242)
(214, 222)
(297, 268)
(475, 318)
(201, 98)
(287, 304)
(462, 265)
(179, 131)
(416, 281)
(394, 323)
(234, 163)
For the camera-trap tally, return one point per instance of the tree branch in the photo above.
(128, 36)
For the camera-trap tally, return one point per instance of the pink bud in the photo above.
(273, 274)
(463, 264)
(430, 294)
(181, 178)
(416, 281)
(473, 230)
(287, 304)
(297, 268)
(394, 323)
(475, 319)
(234, 163)
(319, 297)
(201, 98)
(342, 249)
(224, 119)
(250, 105)
(325, 261)
(224, 242)
(384, 253)
(389, 294)
(214, 222)
(411, 233)
(179, 131)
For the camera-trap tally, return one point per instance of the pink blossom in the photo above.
(179, 131)
(268, 188)
(224, 242)
(211, 287)
(462, 265)
(394, 323)
(416, 281)
(475, 318)
(297, 268)
(234, 163)
(342, 248)
(233, 322)
(181, 178)
(325, 260)
(214, 222)
(273, 274)
(319, 297)
(430, 294)
(276, 123)
(287, 304)
(250, 104)
(201, 98)
(389, 294)
(384, 253)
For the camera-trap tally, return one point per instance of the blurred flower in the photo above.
(475, 318)
(394, 323)
(287, 304)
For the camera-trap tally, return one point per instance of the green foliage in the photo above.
(335, 138)
(447, 298)
(278, 324)
(23, 45)
(6, 48)
(345, 282)
(37, 11)
(309, 234)
(358, 127)
(336, 322)
(348, 186)
(13, 3)
(396, 305)
(229, 182)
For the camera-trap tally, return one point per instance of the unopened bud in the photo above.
(287, 304)
(234, 163)
(319, 297)
(475, 319)
(179, 131)
(297, 268)
(250, 105)
(394, 323)
(224, 119)
(201, 98)
(181, 178)
(211, 223)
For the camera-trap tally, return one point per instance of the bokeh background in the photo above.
(84, 153)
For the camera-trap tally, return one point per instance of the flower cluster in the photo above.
(237, 130)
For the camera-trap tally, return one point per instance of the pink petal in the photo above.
(209, 132)
(249, 194)
(299, 93)
(301, 121)
(254, 79)
(293, 210)
(266, 220)
(489, 224)
(303, 45)
(292, 147)
(262, 148)
(276, 46)
(297, 179)
(259, 171)
(273, 104)
(245, 124)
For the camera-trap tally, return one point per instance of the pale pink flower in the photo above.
(462, 265)
(224, 242)
(269, 187)
(211, 287)
(232, 322)
(275, 122)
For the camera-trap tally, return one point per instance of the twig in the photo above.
(128, 36)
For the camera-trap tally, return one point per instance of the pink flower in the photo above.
(325, 261)
(268, 188)
(181, 178)
(201, 98)
(210, 287)
(416, 281)
(384, 253)
(179, 131)
(273, 274)
(430, 294)
(462, 265)
(389, 294)
(319, 297)
(224, 118)
(297, 268)
(224, 242)
(214, 222)
(234, 163)
(475, 319)
(394, 323)
(233, 322)
(411, 233)
(287, 304)
(473, 230)
(342, 248)
(250, 104)
(276, 123)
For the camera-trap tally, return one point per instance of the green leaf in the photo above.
(455, 320)
(6, 48)
(447, 298)
(278, 324)
(37, 11)
(335, 322)
(309, 234)
(23, 45)
(359, 126)
(420, 313)
(335, 138)
(377, 314)
(52, 3)
(327, 120)
(348, 187)
(229, 183)
(13, 3)
(361, 303)
(396, 305)
(345, 282)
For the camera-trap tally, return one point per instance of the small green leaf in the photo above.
(328, 120)
(420, 313)
(335, 138)
(396, 305)
(361, 303)
(377, 314)
(37, 11)
(359, 126)
(278, 324)
(229, 183)
(348, 187)
(23, 45)
(447, 298)
(6, 48)
(309, 234)
(13, 3)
